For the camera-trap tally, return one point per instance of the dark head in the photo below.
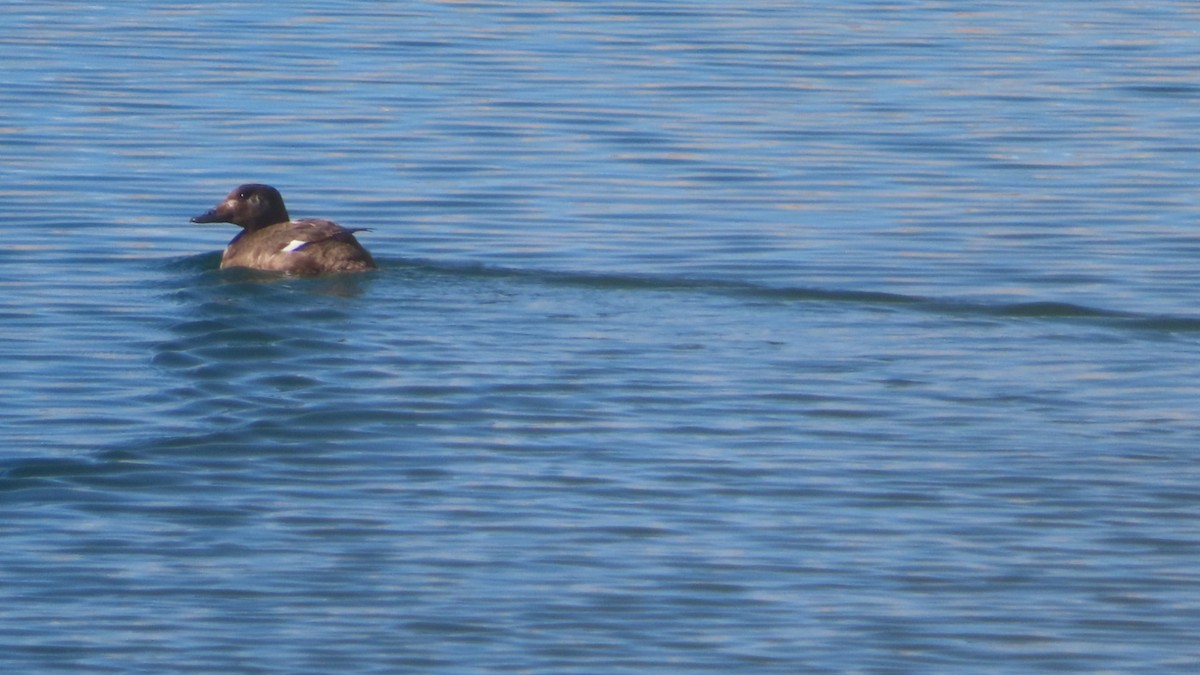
(252, 206)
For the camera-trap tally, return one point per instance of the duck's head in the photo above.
(252, 206)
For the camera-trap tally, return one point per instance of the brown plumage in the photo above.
(270, 240)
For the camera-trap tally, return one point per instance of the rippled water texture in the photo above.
(752, 337)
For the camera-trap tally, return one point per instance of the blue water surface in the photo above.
(708, 337)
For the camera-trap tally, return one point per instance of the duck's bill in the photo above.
(217, 214)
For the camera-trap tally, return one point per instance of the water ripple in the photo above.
(1045, 309)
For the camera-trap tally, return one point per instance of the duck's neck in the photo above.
(274, 216)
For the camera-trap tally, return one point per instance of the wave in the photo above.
(1042, 310)
(1038, 310)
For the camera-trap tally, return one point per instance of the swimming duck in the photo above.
(270, 240)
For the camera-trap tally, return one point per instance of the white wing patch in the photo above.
(296, 243)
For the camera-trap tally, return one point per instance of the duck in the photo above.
(271, 241)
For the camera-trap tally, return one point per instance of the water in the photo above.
(766, 337)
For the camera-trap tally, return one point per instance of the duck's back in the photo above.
(306, 246)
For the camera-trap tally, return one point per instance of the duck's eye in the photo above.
(244, 194)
